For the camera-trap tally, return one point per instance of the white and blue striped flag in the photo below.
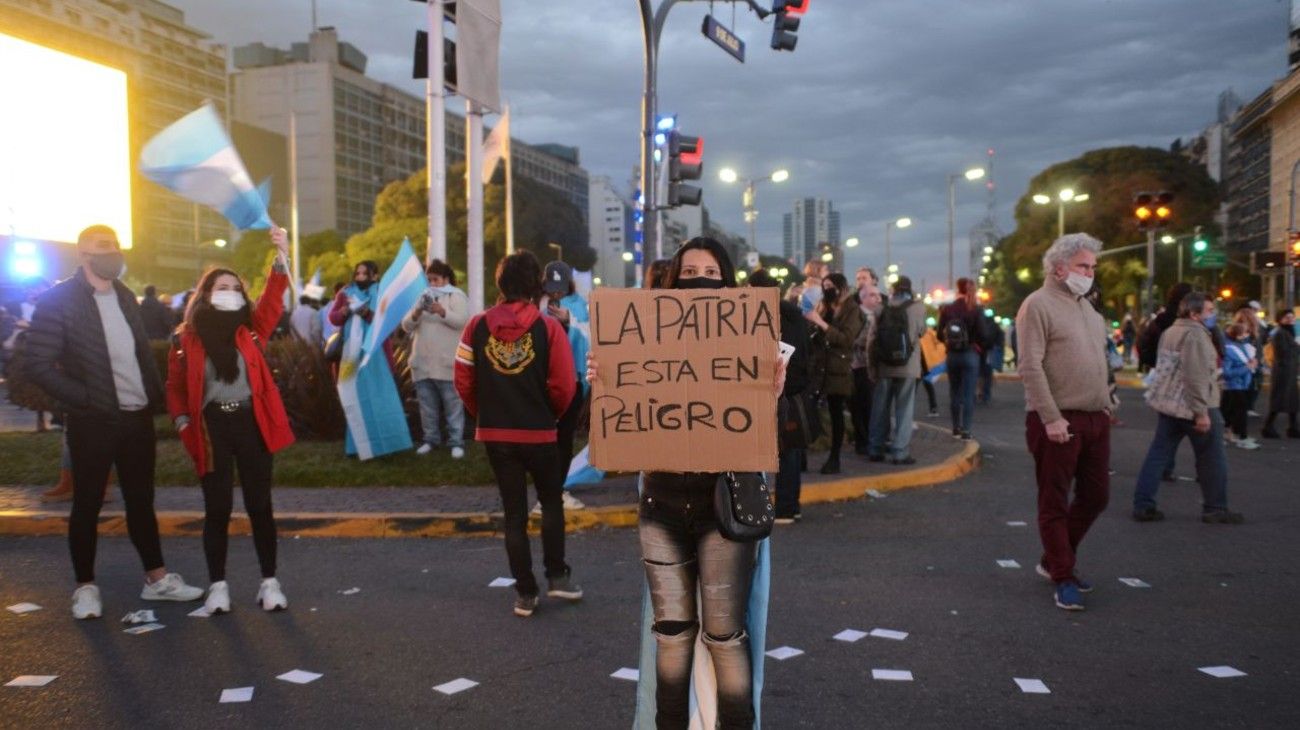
(195, 159)
(399, 290)
(581, 471)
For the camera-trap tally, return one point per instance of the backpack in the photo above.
(986, 331)
(956, 337)
(893, 345)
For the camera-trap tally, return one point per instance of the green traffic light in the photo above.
(1200, 245)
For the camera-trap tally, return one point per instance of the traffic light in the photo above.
(685, 162)
(1199, 245)
(1144, 210)
(1295, 248)
(1225, 293)
(786, 23)
(1164, 213)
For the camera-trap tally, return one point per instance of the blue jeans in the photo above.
(963, 375)
(434, 396)
(901, 394)
(1211, 461)
(789, 481)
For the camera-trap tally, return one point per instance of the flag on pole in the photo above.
(399, 290)
(497, 146)
(195, 159)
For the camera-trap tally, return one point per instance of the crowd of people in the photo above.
(522, 370)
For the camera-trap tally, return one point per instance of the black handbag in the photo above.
(799, 420)
(743, 504)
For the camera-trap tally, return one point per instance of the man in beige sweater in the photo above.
(1196, 417)
(1067, 424)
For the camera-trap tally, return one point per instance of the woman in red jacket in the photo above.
(227, 409)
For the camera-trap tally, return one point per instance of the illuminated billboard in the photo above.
(65, 159)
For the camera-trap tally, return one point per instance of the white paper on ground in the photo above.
(456, 685)
(892, 675)
(849, 635)
(1008, 564)
(21, 608)
(237, 694)
(1135, 582)
(501, 583)
(1222, 672)
(1017, 523)
(142, 629)
(200, 612)
(351, 591)
(876, 493)
(632, 675)
(143, 616)
(889, 634)
(31, 680)
(1032, 686)
(300, 676)
(781, 653)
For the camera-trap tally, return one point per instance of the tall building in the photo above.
(609, 223)
(1246, 176)
(813, 222)
(355, 134)
(171, 70)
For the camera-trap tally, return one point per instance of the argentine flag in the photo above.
(399, 290)
(195, 159)
(581, 471)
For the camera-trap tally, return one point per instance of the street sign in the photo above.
(1211, 258)
(726, 40)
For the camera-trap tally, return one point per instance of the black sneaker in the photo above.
(525, 605)
(563, 587)
(876, 458)
(906, 460)
(1148, 514)
(832, 466)
(1222, 517)
(965, 436)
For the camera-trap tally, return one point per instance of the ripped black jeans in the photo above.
(696, 577)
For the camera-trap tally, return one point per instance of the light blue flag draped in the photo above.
(195, 159)
(935, 371)
(376, 421)
(399, 291)
(581, 471)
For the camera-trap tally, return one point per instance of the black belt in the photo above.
(231, 406)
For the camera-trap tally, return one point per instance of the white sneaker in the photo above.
(86, 602)
(424, 449)
(270, 597)
(572, 502)
(1249, 444)
(170, 587)
(218, 600)
(457, 452)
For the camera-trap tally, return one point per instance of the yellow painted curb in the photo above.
(470, 524)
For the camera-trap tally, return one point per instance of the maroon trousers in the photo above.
(1084, 460)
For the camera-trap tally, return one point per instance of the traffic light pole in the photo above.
(1151, 273)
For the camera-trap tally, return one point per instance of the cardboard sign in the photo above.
(685, 379)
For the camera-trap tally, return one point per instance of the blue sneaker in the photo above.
(1067, 596)
(1083, 585)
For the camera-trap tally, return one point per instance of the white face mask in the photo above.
(1078, 283)
(227, 300)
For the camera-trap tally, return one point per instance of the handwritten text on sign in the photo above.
(685, 379)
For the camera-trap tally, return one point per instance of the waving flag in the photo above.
(399, 290)
(195, 159)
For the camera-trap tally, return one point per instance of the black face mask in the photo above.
(364, 285)
(831, 294)
(699, 282)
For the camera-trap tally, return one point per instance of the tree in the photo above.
(1110, 177)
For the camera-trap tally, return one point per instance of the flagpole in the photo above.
(474, 204)
(510, 191)
(293, 198)
(436, 138)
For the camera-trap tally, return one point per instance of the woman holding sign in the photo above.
(697, 578)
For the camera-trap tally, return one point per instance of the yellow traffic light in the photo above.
(1225, 293)
(1163, 212)
(1143, 213)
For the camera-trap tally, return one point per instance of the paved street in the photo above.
(921, 561)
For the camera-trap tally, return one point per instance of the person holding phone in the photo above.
(435, 324)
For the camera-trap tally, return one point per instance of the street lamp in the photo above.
(1066, 195)
(903, 222)
(627, 256)
(729, 175)
(852, 242)
(975, 173)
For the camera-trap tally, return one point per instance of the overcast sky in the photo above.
(882, 100)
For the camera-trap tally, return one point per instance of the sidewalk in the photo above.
(460, 511)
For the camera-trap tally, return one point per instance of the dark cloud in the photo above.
(881, 101)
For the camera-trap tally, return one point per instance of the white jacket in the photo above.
(433, 353)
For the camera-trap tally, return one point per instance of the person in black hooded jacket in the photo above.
(794, 332)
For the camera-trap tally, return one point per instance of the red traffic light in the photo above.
(796, 7)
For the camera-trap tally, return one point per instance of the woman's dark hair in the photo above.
(656, 273)
(440, 268)
(701, 243)
(519, 277)
(198, 300)
(369, 266)
(841, 285)
(759, 277)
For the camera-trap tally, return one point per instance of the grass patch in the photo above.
(33, 458)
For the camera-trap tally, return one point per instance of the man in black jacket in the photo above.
(157, 317)
(87, 349)
(789, 481)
